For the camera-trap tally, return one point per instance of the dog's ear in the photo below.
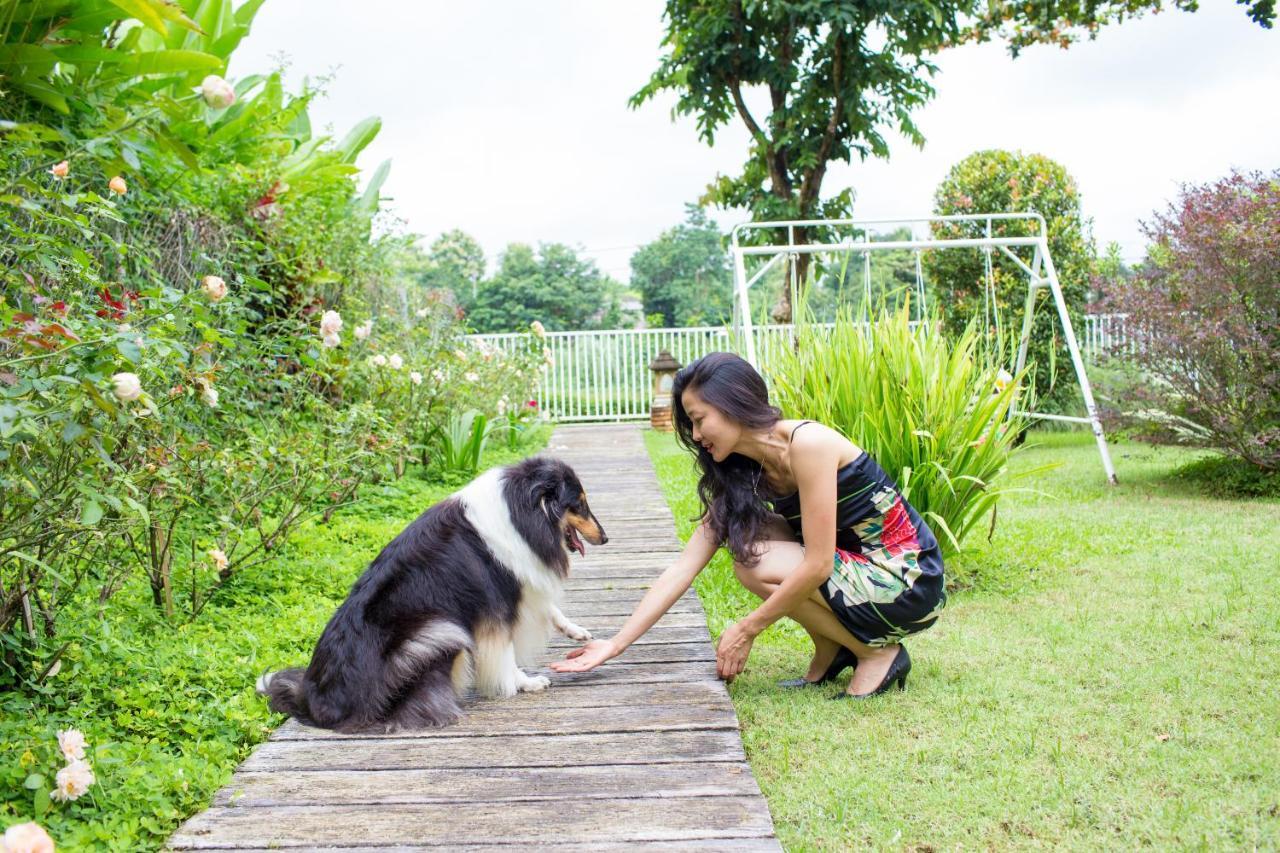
(547, 491)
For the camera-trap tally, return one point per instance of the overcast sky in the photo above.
(509, 120)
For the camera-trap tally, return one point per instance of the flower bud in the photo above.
(217, 92)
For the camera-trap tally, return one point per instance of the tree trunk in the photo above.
(783, 309)
(161, 565)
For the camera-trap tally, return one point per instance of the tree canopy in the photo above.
(839, 75)
(552, 285)
(684, 274)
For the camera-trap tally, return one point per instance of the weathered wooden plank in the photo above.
(655, 635)
(607, 695)
(583, 611)
(603, 560)
(705, 845)
(631, 596)
(657, 652)
(500, 750)
(648, 567)
(525, 823)
(713, 779)
(637, 580)
(623, 670)
(551, 720)
(605, 626)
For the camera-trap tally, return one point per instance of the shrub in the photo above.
(1204, 315)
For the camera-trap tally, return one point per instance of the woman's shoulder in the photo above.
(816, 440)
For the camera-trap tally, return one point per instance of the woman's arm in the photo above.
(669, 586)
(815, 460)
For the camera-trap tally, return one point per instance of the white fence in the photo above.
(604, 375)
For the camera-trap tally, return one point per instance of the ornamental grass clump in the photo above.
(933, 411)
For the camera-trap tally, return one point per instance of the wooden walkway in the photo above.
(642, 753)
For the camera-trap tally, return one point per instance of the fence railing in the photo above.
(604, 375)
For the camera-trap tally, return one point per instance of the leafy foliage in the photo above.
(1205, 313)
(932, 410)
(1011, 182)
(839, 77)
(552, 285)
(683, 276)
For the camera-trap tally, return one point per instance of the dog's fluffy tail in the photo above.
(286, 693)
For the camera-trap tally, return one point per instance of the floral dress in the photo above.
(886, 580)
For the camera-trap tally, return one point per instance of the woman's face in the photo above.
(717, 433)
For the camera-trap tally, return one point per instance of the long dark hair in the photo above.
(729, 490)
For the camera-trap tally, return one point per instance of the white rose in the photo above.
(396, 362)
(331, 340)
(217, 92)
(72, 744)
(379, 360)
(128, 388)
(214, 287)
(330, 323)
(364, 330)
(26, 838)
(72, 781)
(415, 377)
(538, 329)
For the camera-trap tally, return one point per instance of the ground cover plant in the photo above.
(169, 712)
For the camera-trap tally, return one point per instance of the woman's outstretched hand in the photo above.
(588, 657)
(732, 650)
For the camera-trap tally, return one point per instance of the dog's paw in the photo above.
(536, 684)
(577, 632)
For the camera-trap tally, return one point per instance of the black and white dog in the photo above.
(474, 579)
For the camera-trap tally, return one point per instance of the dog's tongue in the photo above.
(575, 543)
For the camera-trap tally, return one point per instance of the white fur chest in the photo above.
(486, 508)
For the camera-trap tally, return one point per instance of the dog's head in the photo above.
(546, 493)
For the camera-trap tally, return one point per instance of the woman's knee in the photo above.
(775, 560)
(748, 577)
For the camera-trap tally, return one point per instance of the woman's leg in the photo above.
(778, 559)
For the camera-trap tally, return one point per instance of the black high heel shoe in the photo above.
(843, 659)
(897, 673)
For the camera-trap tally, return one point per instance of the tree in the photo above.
(455, 261)
(838, 75)
(684, 274)
(1012, 182)
(553, 286)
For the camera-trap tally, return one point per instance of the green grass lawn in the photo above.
(1104, 675)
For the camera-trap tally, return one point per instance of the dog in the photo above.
(467, 592)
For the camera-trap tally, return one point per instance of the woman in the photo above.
(816, 528)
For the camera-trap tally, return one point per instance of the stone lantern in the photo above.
(664, 369)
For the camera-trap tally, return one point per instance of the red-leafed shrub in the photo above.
(1204, 314)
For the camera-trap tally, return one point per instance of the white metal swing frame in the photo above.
(789, 250)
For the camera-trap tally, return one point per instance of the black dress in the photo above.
(886, 581)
